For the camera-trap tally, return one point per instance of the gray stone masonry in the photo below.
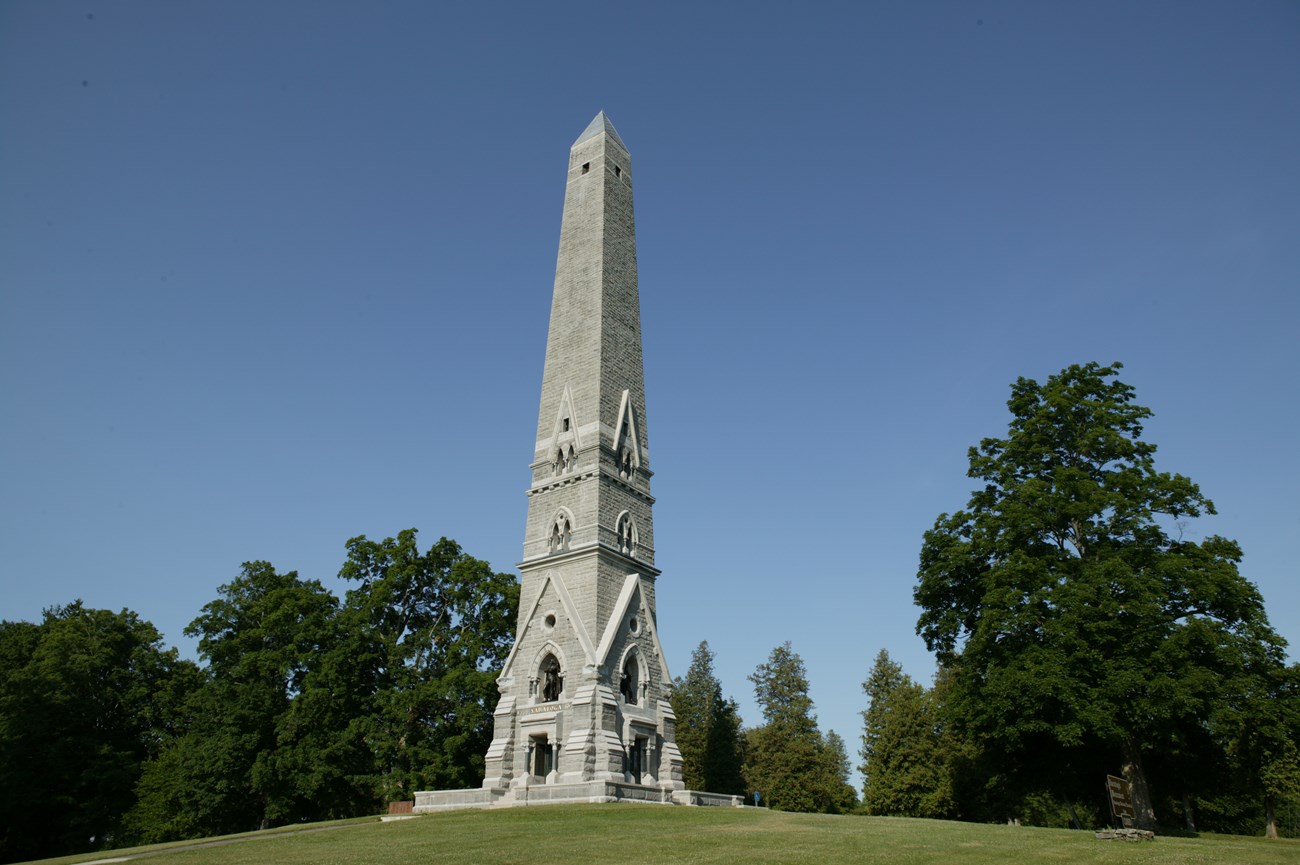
(584, 713)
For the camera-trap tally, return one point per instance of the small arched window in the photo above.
(627, 536)
(561, 534)
(565, 460)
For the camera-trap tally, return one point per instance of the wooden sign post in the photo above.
(1121, 800)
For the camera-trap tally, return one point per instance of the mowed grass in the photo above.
(623, 833)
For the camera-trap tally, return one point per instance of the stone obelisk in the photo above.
(584, 714)
(583, 693)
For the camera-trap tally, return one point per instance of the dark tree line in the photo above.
(1080, 630)
(306, 707)
(86, 698)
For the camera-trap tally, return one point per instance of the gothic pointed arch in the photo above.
(561, 532)
(546, 681)
(633, 676)
(626, 535)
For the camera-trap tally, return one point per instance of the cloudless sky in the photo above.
(273, 275)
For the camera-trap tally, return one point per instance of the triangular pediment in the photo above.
(552, 590)
(564, 428)
(632, 595)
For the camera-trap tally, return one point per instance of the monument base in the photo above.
(436, 801)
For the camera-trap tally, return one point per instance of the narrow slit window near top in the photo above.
(586, 166)
(618, 172)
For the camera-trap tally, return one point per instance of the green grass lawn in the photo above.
(624, 833)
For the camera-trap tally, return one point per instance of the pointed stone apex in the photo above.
(600, 123)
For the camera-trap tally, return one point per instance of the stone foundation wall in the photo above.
(435, 801)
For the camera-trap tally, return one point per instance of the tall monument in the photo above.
(584, 714)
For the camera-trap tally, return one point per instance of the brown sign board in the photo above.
(1121, 797)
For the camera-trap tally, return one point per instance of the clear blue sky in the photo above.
(273, 275)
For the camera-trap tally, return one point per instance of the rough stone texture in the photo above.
(1125, 835)
(587, 596)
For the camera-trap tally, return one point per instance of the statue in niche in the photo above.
(628, 685)
(552, 681)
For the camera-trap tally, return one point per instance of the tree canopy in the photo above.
(1069, 600)
(86, 697)
(314, 709)
(232, 769)
(305, 709)
(429, 632)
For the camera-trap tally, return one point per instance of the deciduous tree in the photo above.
(86, 697)
(1264, 726)
(234, 768)
(430, 633)
(1068, 599)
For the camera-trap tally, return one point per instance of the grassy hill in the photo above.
(619, 833)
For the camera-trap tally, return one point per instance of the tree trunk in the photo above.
(1189, 819)
(1270, 817)
(1144, 813)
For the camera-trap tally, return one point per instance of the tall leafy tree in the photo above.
(234, 769)
(1066, 599)
(786, 759)
(906, 768)
(430, 631)
(708, 728)
(86, 697)
(1265, 739)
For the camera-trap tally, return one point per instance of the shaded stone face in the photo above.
(583, 693)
